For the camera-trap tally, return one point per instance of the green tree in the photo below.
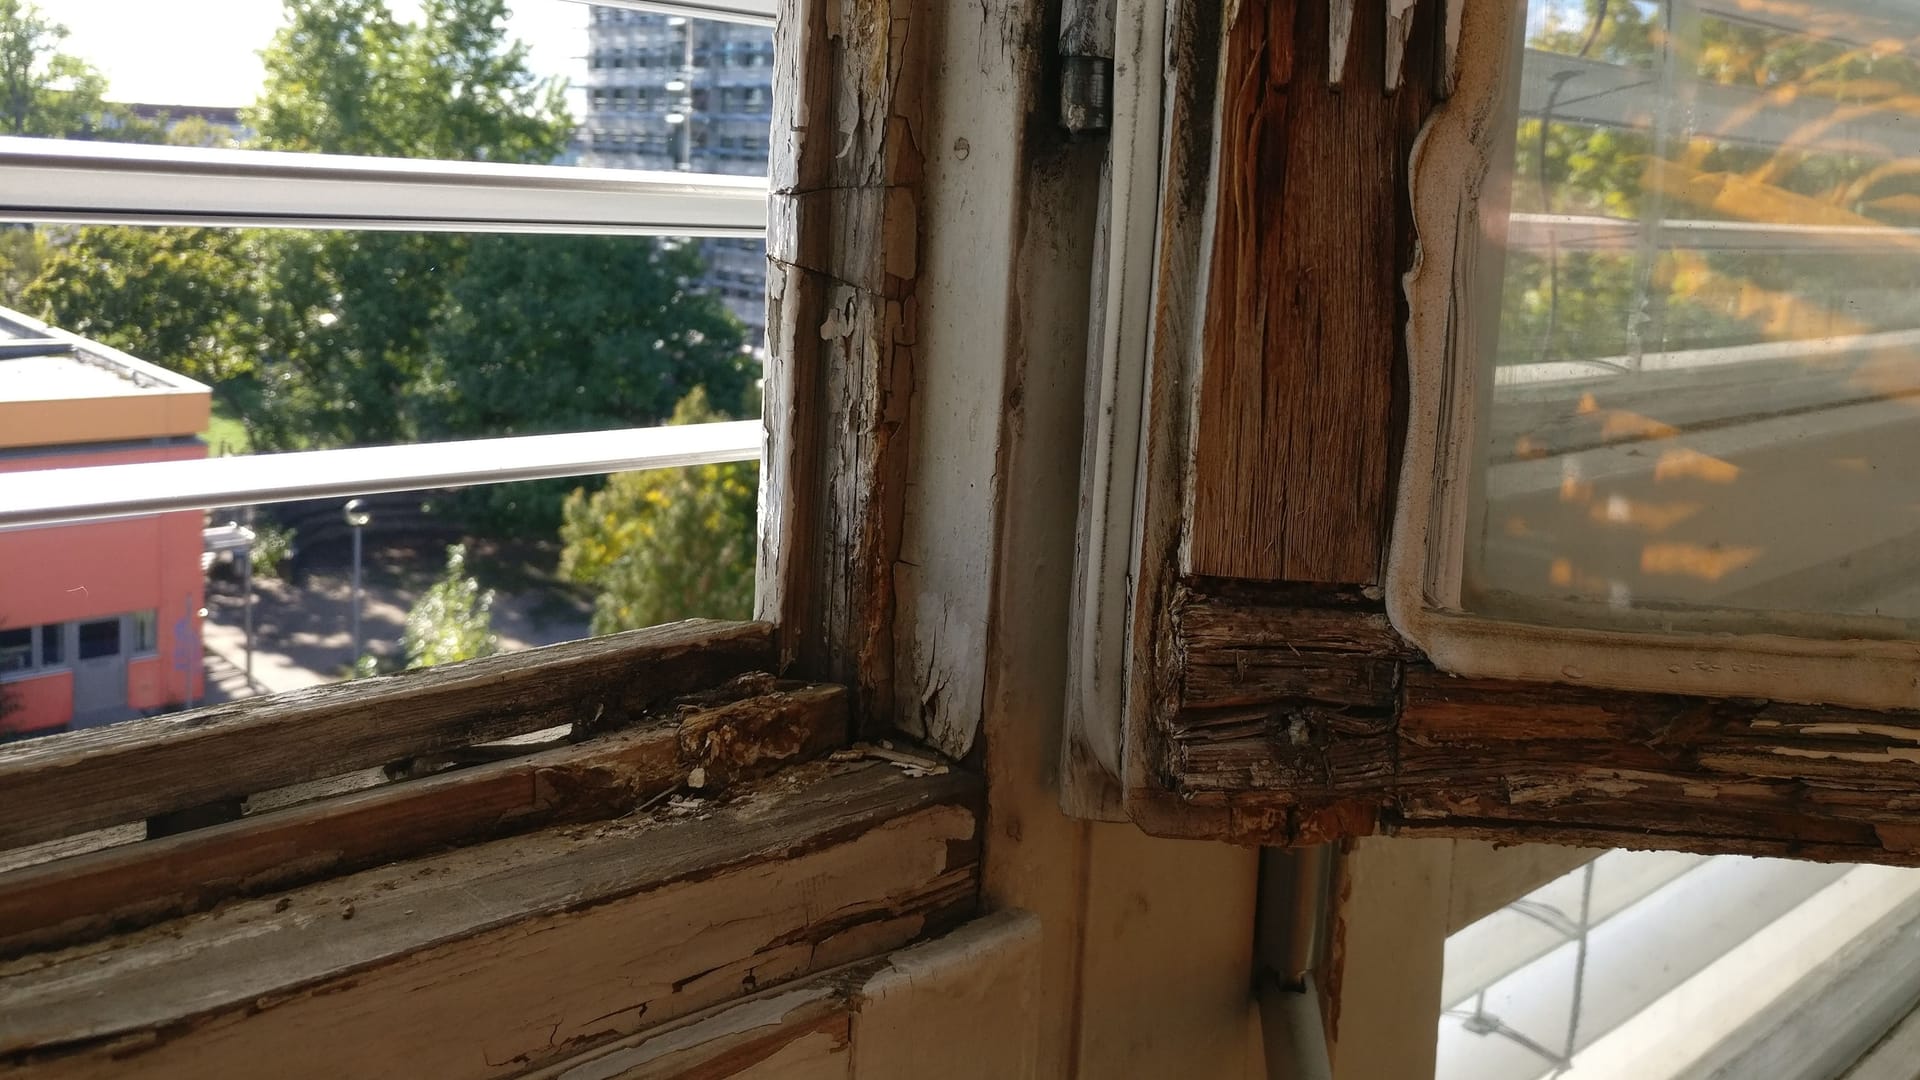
(189, 300)
(23, 251)
(453, 621)
(666, 544)
(348, 77)
(48, 93)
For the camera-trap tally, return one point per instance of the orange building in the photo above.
(99, 621)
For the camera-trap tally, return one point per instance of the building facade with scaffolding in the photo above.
(692, 95)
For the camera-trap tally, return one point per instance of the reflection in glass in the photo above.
(1704, 403)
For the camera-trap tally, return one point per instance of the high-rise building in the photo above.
(664, 92)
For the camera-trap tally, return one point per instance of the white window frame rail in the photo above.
(50, 180)
(102, 492)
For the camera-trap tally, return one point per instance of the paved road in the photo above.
(303, 636)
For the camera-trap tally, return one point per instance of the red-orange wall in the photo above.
(45, 701)
(70, 572)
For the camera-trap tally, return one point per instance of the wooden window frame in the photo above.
(768, 712)
(1459, 193)
(1275, 700)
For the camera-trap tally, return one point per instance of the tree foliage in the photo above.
(190, 300)
(48, 93)
(666, 544)
(453, 620)
(1571, 303)
(322, 339)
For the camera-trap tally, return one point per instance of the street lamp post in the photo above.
(357, 516)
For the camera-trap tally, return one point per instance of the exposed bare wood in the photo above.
(1186, 218)
(1399, 29)
(801, 1030)
(99, 777)
(1649, 770)
(1216, 616)
(1286, 745)
(1296, 431)
(134, 885)
(819, 866)
(1339, 39)
(843, 244)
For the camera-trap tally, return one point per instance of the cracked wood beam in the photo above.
(842, 245)
(1300, 717)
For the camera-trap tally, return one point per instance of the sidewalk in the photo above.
(303, 636)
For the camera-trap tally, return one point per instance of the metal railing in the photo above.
(52, 180)
(95, 493)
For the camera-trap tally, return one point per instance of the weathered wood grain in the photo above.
(66, 784)
(519, 953)
(1297, 429)
(843, 238)
(1285, 743)
(121, 888)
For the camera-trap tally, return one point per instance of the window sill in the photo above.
(817, 866)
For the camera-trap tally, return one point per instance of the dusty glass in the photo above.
(1703, 402)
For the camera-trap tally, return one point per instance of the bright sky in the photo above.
(207, 52)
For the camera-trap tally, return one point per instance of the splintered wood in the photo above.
(744, 730)
(1300, 717)
(842, 248)
(67, 784)
(519, 953)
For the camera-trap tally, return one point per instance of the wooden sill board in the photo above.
(770, 724)
(517, 953)
(919, 1012)
(82, 780)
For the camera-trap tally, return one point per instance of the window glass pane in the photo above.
(303, 340)
(541, 103)
(16, 649)
(293, 77)
(100, 638)
(1703, 393)
(1664, 965)
(53, 643)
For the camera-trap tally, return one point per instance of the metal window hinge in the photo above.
(1086, 66)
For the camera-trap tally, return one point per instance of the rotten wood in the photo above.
(67, 784)
(496, 959)
(701, 750)
(843, 250)
(1297, 431)
(1293, 729)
